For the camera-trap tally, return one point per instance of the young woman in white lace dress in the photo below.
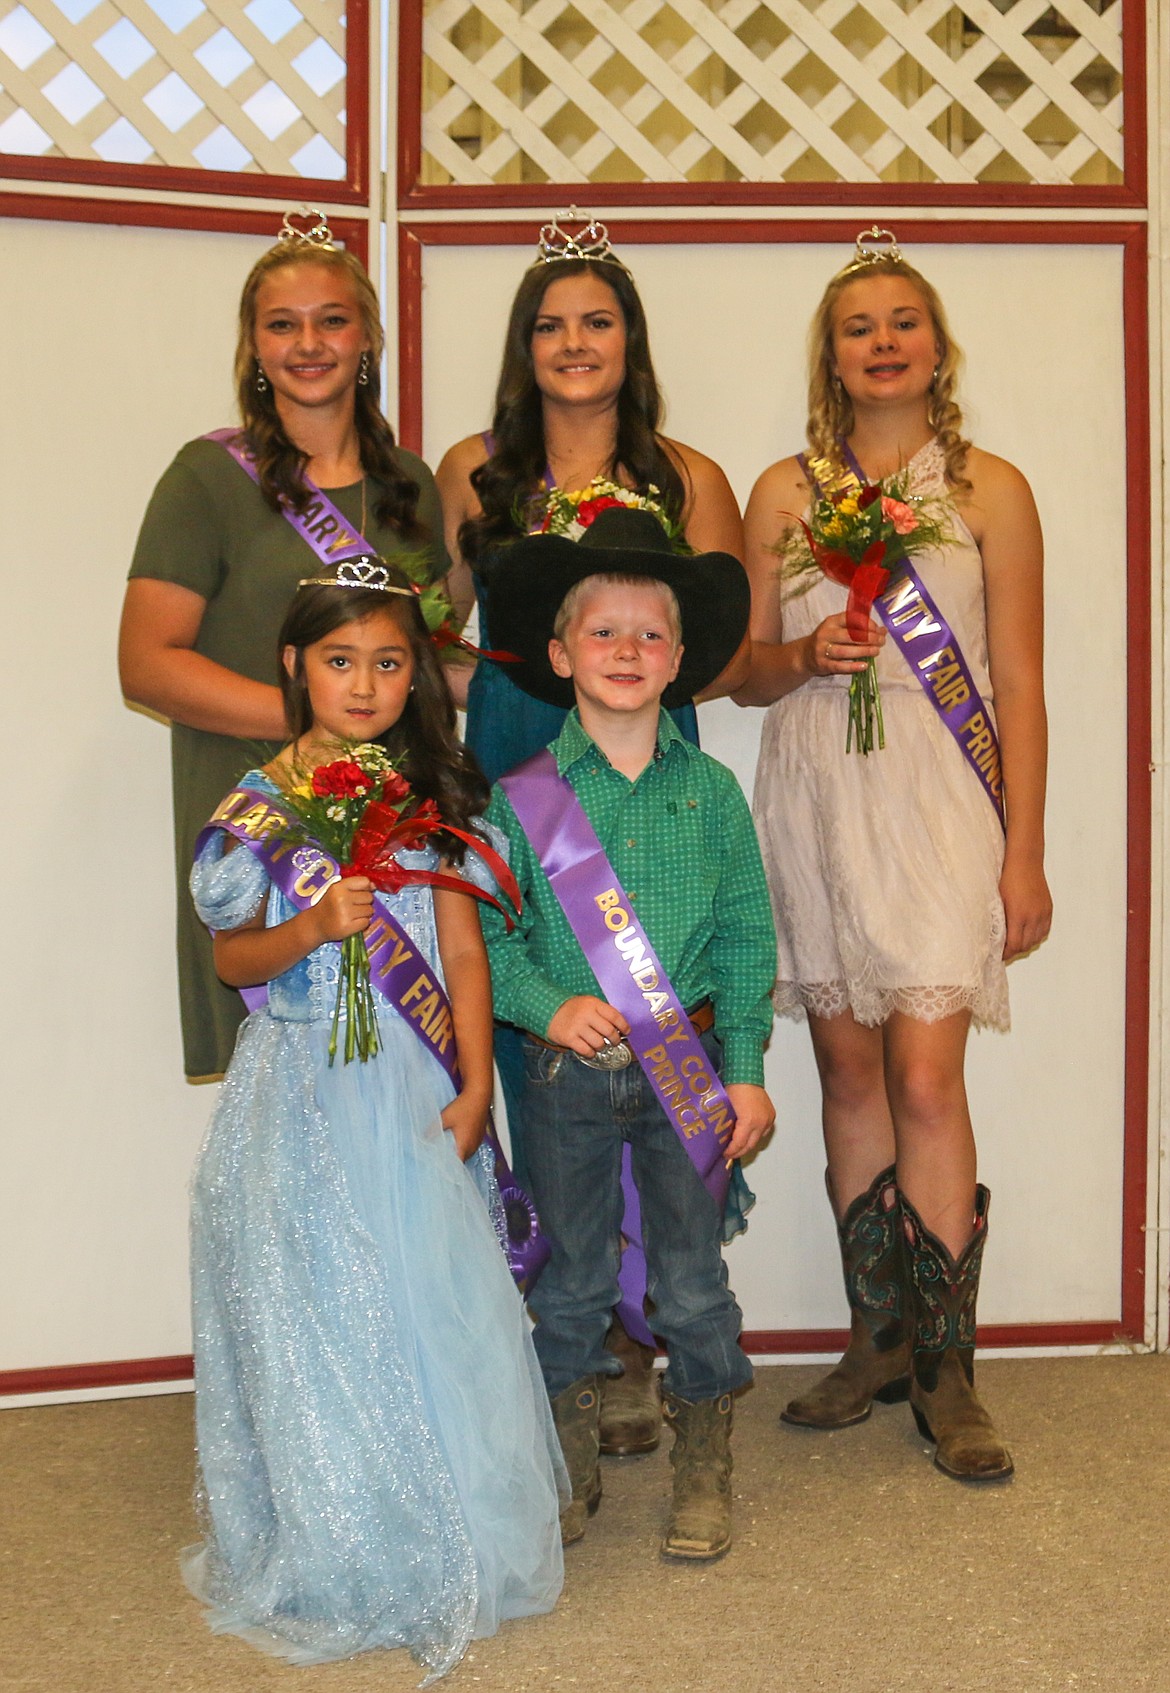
(898, 898)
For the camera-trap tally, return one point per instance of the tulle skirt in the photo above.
(377, 1462)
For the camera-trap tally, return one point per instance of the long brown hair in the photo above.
(423, 743)
(830, 410)
(280, 463)
(515, 467)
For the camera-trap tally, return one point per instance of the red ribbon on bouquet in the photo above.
(445, 636)
(865, 580)
(383, 831)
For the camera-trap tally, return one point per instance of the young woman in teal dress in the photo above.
(377, 1464)
(217, 562)
(577, 399)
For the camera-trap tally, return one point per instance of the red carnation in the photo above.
(343, 779)
(588, 509)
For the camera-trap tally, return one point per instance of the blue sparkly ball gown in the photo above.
(377, 1461)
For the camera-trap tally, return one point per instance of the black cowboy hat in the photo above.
(529, 579)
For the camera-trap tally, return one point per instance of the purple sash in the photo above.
(632, 979)
(936, 661)
(321, 526)
(405, 981)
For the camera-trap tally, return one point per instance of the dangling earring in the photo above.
(933, 379)
(838, 385)
(363, 370)
(261, 379)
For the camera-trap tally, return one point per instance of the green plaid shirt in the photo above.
(684, 847)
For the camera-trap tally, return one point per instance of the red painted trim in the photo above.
(1129, 194)
(130, 1372)
(1139, 702)
(148, 214)
(1131, 237)
(772, 1341)
(122, 1372)
(410, 339)
(410, 57)
(181, 179)
(541, 197)
(1136, 18)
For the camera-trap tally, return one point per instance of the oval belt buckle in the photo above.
(614, 1055)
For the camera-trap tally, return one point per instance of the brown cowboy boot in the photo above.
(700, 1510)
(876, 1363)
(942, 1395)
(575, 1412)
(631, 1410)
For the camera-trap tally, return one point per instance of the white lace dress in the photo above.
(884, 870)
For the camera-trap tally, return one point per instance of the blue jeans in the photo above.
(576, 1121)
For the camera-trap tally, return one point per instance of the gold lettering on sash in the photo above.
(253, 820)
(679, 1034)
(227, 806)
(425, 1010)
(343, 539)
(323, 527)
(421, 984)
(378, 932)
(902, 595)
(441, 1029)
(666, 1019)
(308, 887)
(926, 627)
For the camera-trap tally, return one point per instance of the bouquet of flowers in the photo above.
(559, 512)
(361, 811)
(858, 534)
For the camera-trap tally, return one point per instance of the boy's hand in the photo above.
(466, 1117)
(345, 908)
(585, 1024)
(754, 1118)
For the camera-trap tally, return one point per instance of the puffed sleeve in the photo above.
(228, 887)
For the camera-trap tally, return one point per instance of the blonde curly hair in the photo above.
(830, 410)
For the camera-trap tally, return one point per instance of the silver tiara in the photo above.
(591, 241)
(364, 571)
(872, 246)
(307, 227)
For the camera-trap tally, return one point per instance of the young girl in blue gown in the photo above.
(377, 1464)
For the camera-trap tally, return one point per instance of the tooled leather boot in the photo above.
(876, 1362)
(946, 1406)
(700, 1511)
(631, 1409)
(575, 1412)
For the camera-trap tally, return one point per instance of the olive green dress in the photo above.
(209, 529)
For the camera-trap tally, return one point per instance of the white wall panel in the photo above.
(119, 349)
(1042, 329)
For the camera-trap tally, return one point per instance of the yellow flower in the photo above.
(848, 507)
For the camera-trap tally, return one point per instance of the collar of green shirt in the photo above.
(574, 743)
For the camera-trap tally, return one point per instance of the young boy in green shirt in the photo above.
(623, 622)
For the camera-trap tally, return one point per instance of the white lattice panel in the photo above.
(772, 91)
(207, 84)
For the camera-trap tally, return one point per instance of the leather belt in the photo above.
(617, 1054)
